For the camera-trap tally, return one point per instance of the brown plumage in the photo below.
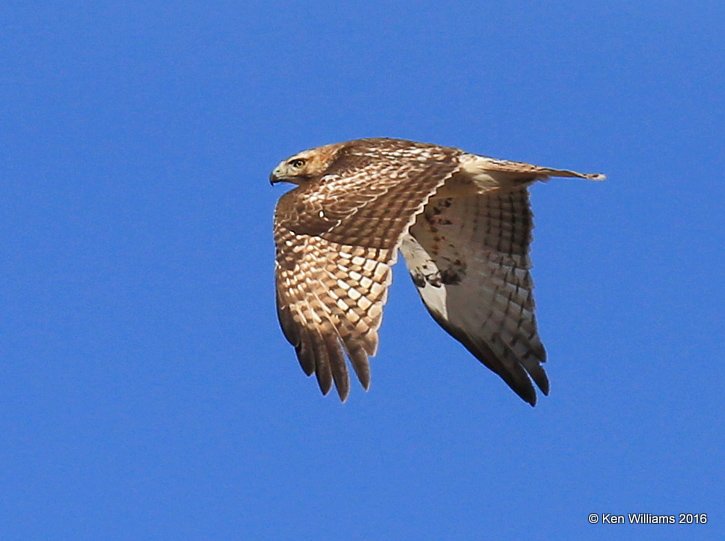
(463, 224)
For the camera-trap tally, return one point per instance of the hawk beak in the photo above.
(274, 177)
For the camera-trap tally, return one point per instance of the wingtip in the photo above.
(361, 366)
(363, 376)
(530, 396)
(531, 400)
(527, 393)
(596, 176)
(342, 386)
(324, 382)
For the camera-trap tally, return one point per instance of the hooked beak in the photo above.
(274, 177)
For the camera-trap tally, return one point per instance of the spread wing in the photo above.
(468, 256)
(336, 240)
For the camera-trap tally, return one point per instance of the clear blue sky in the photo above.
(146, 391)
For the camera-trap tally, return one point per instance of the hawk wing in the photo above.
(468, 256)
(336, 240)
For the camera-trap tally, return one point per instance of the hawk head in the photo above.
(305, 166)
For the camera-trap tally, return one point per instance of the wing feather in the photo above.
(468, 256)
(336, 240)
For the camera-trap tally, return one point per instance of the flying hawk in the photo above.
(463, 224)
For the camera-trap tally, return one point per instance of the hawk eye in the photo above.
(297, 163)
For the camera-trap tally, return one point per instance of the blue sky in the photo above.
(146, 391)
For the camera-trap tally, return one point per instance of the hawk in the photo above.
(463, 224)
